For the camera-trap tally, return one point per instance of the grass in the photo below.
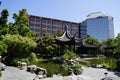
(107, 62)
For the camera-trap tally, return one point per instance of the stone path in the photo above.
(98, 73)
(12, 73)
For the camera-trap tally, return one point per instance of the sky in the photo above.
(70, 10)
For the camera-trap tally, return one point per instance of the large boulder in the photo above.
(2, 66)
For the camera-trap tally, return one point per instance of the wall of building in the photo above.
(99, 26)
(38, 24)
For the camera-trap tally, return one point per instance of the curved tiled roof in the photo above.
(97, 15)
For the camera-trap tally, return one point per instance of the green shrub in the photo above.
(26, 60)
(33, 58)
(69, 55)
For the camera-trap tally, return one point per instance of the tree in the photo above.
(44, 32)
(59, 32)
(69, 55)
(21, 21)
(109, 42)
(117, 50)
(45, 47)
(18, 46)
(91, 40)
(3, 22)
(3, 47)
(12, 29)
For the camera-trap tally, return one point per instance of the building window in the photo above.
(49, 31)
(43, 26)
(37, 25)
(31, 24)
(66, 24)
(59, 28)
(49, 27)
(37, 34)
(82, 28)
(82, 32)
(37, 30)
(57, 23)
(54, 32)
(32, 19)
(43, 21)
(74, 25)
(37, 20)
(54, 27)
(49, 22)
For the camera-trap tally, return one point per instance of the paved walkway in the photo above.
(98, 73)
(12, 73)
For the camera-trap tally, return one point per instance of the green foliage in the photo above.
(3, 22)
(109, 42)
(12, 29)
(30, 59)
(44, 32)
(0, 74)
(45, 47)
(69, 55)
(59, 33)
(21, 22)
(4, 17)
(19, 46)
(33, 58)
(3, 47)
(91, 40)
(117, 49)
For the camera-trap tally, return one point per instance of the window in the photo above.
(37, 34)
(37, 30)
(37, 25)
(54, 27)
(57, 23)
(83, 28)
(49, 31)
(49, 22)
(60, 28)
(54, 32)
(66, 24)
(31, 24)
(37, 20)
(43, 26)
(43, 21)
(82, 32)
(49, 27)
(75, 25)
(32, 19)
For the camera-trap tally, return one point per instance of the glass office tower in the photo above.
(98, 25)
